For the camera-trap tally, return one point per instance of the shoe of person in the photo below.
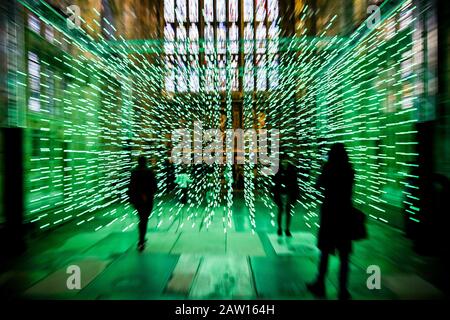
(288, 233)
(344, 295)
(316, 289)
(280, 232)
(141, 247)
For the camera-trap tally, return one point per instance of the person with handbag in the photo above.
(335, 234)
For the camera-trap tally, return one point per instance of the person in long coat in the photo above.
(336, 183)
(141, 191)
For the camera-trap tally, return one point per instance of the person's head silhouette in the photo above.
(285, 159)
(142, 161)
(338, 156)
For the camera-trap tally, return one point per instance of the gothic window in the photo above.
(202, 43)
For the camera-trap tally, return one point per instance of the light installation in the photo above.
(358, 90)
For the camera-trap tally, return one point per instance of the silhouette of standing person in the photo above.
(141, 191)
(336, 181)
(169, 171)
(285, 193)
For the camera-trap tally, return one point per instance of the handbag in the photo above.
(358, 227)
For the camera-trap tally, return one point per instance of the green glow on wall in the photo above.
(113, 106)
